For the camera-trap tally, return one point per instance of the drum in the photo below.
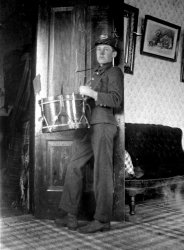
(63, 112)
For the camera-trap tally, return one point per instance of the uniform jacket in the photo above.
(108, 82)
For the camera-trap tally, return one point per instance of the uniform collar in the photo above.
(100, 69)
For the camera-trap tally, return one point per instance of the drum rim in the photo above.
(77, 96)
(52, 98)
(62, 97)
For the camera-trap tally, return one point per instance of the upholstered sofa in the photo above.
(157, 151)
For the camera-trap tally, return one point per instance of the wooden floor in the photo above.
(159, 224)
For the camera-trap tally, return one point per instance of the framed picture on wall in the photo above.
(182, 62)
(160, 38)
(130, 28)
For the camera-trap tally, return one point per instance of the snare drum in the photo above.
(63, 112)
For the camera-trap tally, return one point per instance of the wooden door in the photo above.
(65, 56)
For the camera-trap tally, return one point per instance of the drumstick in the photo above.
(83, 96)
(61, 89)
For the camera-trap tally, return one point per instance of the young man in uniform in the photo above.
(104, 94)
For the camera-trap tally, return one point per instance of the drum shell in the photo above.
(63, 112)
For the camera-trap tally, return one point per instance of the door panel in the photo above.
(65, 56)
(67, 50)
(58, 155)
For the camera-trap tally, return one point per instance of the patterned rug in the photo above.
(159, 224)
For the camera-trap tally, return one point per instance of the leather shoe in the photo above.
(61, 222)
(94, 226)
(68, 220)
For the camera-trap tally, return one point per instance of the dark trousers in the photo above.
(98, 142)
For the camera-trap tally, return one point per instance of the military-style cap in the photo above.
(108, 40)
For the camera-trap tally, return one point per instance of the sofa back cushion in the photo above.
(155, 148)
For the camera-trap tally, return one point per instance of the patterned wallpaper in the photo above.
(154, 93)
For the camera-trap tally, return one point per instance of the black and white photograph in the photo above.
(91, 125)
(160, 38)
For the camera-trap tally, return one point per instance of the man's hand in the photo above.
(87, 91)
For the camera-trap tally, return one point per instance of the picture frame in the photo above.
(182, 62)
(130, 29)
(160, 38)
